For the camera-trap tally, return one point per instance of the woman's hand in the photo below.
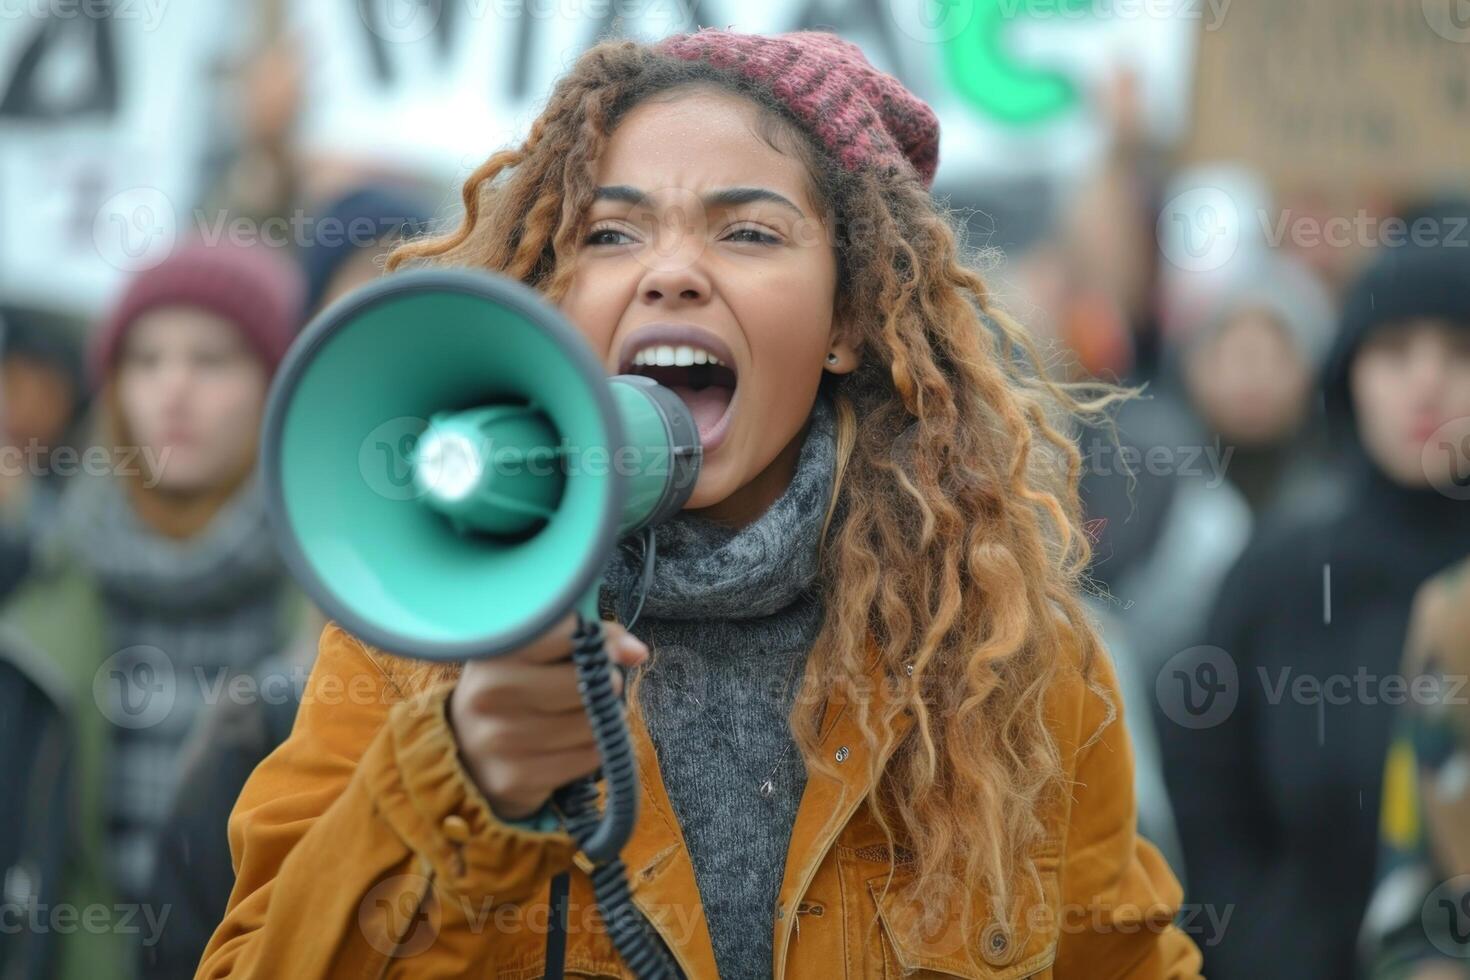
(519, 720)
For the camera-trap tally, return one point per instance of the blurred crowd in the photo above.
(1281, 526)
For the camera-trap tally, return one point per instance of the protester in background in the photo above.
(353, 236)
(1223, 442)
(42, 400)
(1418, 925)
(1249, 371)
(194, 874)
(162, 581)
(1277, 791)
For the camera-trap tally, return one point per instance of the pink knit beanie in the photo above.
(861, 115)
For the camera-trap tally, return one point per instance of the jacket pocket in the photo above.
(916, 948)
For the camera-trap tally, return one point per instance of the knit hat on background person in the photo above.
(369, 216)
(864, 117)
(256, 288)
(1287, 291)
(1414, 280)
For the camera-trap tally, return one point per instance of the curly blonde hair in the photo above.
(954, 538)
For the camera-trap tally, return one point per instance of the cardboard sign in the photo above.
(1338, 92)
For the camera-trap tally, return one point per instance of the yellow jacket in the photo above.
(364, 850)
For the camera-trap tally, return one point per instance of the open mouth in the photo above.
(699, 377)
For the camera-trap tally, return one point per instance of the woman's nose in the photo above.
(678, 276)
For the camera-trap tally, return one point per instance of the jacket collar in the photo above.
(661, 876)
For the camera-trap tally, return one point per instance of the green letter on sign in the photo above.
(983, 72)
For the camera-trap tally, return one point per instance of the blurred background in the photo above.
(1257, 212)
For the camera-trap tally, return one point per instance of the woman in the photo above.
(885, 526)
(161, 581)
(194, 874)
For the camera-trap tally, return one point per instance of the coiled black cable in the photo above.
(602, 836)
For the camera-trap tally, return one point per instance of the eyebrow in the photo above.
(723, 198)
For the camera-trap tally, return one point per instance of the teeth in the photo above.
(664, 355)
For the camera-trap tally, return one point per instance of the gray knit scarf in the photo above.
(182, 618)
(730, 618)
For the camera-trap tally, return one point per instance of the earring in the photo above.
(832, 357)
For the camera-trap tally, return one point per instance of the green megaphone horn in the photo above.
(451, 468)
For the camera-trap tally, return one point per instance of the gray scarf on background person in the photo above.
(181, 617)
(730, 618)
(230, 557)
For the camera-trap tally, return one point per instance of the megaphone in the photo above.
(448, 469)
(451, 467)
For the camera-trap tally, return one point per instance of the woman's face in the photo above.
(191, 394)
(1409, 382)
(1250, 382)
(37, 404)
(704, 237)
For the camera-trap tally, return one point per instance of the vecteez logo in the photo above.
(135, 229)
(1198, 687)
(1199, 229)
(135, 687)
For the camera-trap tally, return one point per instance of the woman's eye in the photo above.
(212, 360)
(600, 237)
(760, 237)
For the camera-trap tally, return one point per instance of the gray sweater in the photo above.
(730, 618)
